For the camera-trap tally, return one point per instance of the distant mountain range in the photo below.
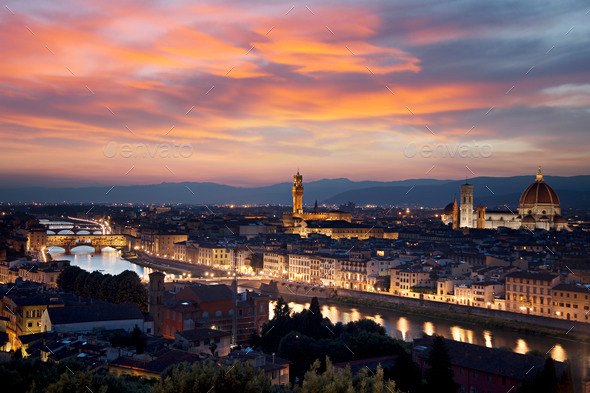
(490, 191)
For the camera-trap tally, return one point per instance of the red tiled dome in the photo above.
(448, 209)
(539, 193)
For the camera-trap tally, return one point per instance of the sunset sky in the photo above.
(261, 88)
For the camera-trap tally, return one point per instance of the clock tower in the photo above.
(297, 193)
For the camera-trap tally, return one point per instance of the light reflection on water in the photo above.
(408, 326)
(105, 262)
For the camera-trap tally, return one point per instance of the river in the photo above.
(406, 327)
(399, 325)
(108, 261)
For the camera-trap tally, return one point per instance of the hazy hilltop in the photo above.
(490, 191)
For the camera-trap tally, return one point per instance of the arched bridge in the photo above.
(98, 242)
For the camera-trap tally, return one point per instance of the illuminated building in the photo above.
(295, 217)
(571, 302)
(539, 208)
(530, 293)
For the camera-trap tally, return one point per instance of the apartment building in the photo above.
(404, 279)
(353, 275)
(276, 263)
(530, 293)
(299, 267)
(571, 302)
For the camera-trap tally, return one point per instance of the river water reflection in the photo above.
(108, 261)
(409, 326)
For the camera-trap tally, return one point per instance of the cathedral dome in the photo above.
(448, 209)
(539, 193)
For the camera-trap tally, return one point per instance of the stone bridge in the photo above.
(77, 231)
(98, 242)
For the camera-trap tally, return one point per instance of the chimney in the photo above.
(273, 358)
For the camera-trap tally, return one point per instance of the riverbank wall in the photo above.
(564, 326)
(280, 288)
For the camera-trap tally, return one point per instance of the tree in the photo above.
(566, 384)
(80, 288)
(313, 320)
(536, 352)
(34, 376)
(257, 261)
(406, 374)
(107, 290)
(330, 381)
(212, 348)
(138, 340)
(545, 381)
(94, 283)
(281, 309)
(548, 378)
(66, 280)
(306, 336)
(208, 377)
(439, 377)
(129, 289)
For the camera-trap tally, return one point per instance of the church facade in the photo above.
(538, 208)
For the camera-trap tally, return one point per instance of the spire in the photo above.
(315, 209)
(539, 175)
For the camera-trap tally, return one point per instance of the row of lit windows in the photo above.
(522, 289)
(527, 281)
(561, 294)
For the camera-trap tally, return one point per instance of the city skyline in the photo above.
(253, 92)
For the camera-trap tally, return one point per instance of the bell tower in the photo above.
(466, 206)
(156, 301)
(297, 193)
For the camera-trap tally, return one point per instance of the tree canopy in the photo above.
(306, 336)
(125, 287)
(439, 377)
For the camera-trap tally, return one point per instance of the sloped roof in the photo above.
(533, 276)
(210, 293)
(489, 360)
(202, 334)
(165, 359)
(94, 313)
